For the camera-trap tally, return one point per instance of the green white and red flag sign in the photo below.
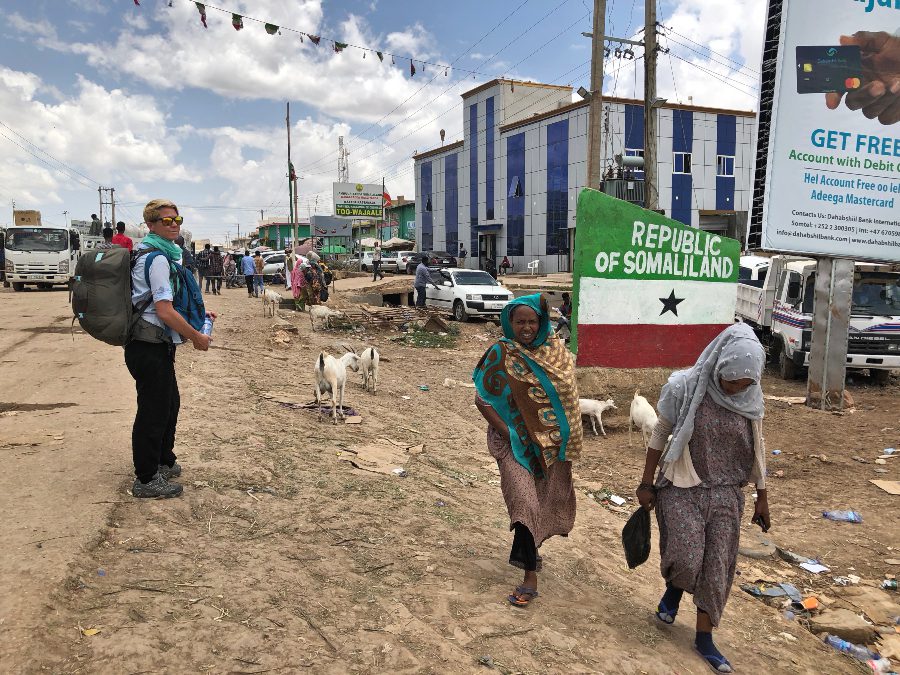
(649, 291)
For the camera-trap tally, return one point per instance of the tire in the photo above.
(786, 367)
(459, 311)
(365, 268)
(409, 269)
(881, 377)
(18, 286)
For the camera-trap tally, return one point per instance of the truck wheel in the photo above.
(18, 286)
(365, 268)
(786, 367)
(459, 311)
(881, 377)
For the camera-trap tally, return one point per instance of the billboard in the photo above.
(831, 150)
(330, 226)
(358, 200)
(649, 291)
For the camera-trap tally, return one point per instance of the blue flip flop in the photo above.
(718, 663)
(522, 590)
(666, 615)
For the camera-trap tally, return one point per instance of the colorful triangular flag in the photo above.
(339, 47)
(380, 56)
(412, 68)
(314, 39)
(202, 9)
(137, 3)
(237, 21)
(271, 28)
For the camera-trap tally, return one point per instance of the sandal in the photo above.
(666, 615)
(516, 599)
(716, 661)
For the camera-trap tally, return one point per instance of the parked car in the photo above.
(467, 293)
(402, 258)
(435, 259)
(273, 263)
(388, 261)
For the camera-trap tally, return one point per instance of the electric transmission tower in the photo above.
(343, 162)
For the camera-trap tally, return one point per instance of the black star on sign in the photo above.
(670, 304)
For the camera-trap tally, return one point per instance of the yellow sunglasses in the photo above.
(177, 220)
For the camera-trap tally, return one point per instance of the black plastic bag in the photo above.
(636, 538)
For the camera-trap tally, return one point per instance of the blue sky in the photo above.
(147, 100)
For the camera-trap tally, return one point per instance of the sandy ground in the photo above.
(282, 557)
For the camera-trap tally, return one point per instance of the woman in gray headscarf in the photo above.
(713, 412)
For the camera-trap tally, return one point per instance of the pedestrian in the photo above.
(248, 269)
(229, 269)
(203, 262)
(313, 279)
(505, 266)
(258, 281)
(187, 257)
(214, 271)
(288, 266)
(423, 278)
(462, 255)
(96, 227)
(713, 412)
(107, 240)
(150, 355)
(376, 262)
(526, 390)
(298, 284)
(120, 239)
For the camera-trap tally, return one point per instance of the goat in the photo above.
(323, 314)
(594, 410)
(272, 298)
(368, 364)
(331, 377)
(643, 416)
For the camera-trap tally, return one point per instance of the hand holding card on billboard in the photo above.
(879, 95)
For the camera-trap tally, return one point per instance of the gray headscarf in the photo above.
(313, 256)
(735, 354)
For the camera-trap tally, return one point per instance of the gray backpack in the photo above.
(101, 295)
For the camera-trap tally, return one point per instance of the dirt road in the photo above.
(281, 556)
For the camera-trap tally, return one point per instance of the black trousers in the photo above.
(216, 282)
(249, 279)
(420, 296)
(376, 270)
(152, 365)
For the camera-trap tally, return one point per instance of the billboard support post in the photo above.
(831, 329)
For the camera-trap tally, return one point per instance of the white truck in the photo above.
(39, 255)
(775, 297)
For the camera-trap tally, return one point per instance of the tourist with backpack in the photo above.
(171, 307)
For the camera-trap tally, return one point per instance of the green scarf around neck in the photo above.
(170, 248)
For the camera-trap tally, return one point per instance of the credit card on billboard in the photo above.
(822, 70)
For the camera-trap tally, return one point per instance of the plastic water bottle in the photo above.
(843, 516)
(856, 651)
(207, 326)
(889, 584)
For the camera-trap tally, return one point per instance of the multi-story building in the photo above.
(510, 187)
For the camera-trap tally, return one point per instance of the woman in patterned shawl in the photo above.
(527, 393)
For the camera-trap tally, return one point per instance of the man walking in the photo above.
(119, 239)
(423, 278)
(150, 355)
(376, 262)
(248, 269)
(214, 271)
(203, 263)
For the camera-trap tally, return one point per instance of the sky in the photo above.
(148, 101)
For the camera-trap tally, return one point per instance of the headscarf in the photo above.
(313, 256)
(533, 390)
(734, 354)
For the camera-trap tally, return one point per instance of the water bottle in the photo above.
(207, 326)
(856, 651)
(881, 666)
(889, 584)
(843, 516)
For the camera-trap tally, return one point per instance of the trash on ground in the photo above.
(355, 419)
(791, 557)
(767, 590)
(889, 584)
(617, 500)
(383, 456)
(399, 471)
(890, 451)
(810, 603)
(776, 452)
(90, 631)
(814, 567)
(856, 651)
(450, 382)
(423, 387)
(843, 516)
(101, 573)
(892, 487)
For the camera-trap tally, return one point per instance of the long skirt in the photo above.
(699, 534)
(539, 508)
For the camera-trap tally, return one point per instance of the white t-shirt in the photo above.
(161, 289)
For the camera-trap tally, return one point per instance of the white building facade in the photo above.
(510, 188)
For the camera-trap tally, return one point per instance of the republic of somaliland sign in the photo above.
(649, 291)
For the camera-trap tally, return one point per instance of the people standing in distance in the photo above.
(119, 238)
(203, 263)
(248, 269)
(288, 266)
(214, 271)
(526, 390)
(713, 412)
(376, 262)
(258, 265)
(229, 270)
(187, 258)
(107, 240)
(462, 255)
(423, 278)
(150, 355)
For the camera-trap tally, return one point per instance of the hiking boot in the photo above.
(168, 472)
(157, 487)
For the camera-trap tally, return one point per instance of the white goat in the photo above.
(272, 300)
(323, 314)
(331, 377)
(594, 410)
(368, 364)
(643, 416)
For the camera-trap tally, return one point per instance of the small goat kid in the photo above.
(368, 364)
(323, 314)
(594, 410)
(331, 377)
(643, 416)
(271, 300)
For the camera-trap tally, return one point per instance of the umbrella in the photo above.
(397, 243)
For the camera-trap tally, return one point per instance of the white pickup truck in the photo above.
(775, 297)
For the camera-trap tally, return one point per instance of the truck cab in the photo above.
(40, 256)
(775, 296)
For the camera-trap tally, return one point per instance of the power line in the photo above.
(711, 51)
(719, 77)
(753, 79)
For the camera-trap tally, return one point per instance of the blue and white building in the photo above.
(510, 187)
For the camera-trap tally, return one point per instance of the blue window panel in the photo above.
(634, 126)
(427, 214)
(726, 144)
(558, 188)
(515, 199)
(473, 177)
(682, 130)
(489, 157)
(682, 197)
(451, 202)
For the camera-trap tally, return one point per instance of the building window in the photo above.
(489, 158)
(515, 188)
(451, 201)
(515, 206)
(558, 188)
(681, 162)
(634, 152)
(725, 166)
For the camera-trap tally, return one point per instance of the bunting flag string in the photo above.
(271, 28)
(237, 21)
(202, 9)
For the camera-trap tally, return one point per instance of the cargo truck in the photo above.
(38, 255)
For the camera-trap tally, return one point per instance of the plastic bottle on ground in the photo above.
(843, 516)
(856, 651)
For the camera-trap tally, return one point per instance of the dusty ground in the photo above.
(282, 557)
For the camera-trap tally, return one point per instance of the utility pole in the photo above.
(596, 104)
(66, 216)
(292, 184)
(650, 136)
(112, 201)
